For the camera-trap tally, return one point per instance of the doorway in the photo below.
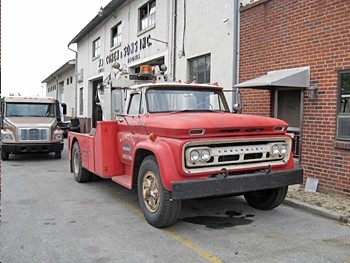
(96, 108)
(288, 105)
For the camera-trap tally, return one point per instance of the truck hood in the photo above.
(185, 125)
(27, 122)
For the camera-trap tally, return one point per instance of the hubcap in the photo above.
(150, 191)
(76, 163)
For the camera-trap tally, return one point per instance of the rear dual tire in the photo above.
(81, 175)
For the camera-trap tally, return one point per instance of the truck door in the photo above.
(131, 126)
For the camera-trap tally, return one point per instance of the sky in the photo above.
(35, 35)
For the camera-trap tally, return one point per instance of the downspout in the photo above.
(174, 39)
(235, 51)
(75, 89)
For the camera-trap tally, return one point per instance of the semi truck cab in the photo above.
(29, 125)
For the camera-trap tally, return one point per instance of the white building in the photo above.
(194, 39)
(61, 85)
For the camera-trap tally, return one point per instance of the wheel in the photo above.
(155, 201)
(81, 175)
(58, 155)
(266, 199)
(4, 155)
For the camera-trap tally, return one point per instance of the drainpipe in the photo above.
(75, 89)
(235, 67)
(174, 39)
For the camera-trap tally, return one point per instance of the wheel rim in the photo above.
(150, 191)
(76, 163)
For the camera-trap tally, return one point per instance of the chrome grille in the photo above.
(37, 134)
(236, 154)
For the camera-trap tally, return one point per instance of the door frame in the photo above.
(297, 140)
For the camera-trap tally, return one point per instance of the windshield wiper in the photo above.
(196, 110)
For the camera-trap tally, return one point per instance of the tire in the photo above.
(155, 201)
(58, 155)
(266, 199)
(4, 155)
(81, 175)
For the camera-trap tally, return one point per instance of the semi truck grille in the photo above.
(37, 134)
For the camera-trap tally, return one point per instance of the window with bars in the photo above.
(343, 117)
(147, 14)
(200, 69)
(81, 101)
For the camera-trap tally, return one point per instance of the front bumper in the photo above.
(32, 147)
(235, 184)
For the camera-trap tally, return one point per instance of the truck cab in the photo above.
(29, 125)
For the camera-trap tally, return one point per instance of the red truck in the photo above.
(177, 141)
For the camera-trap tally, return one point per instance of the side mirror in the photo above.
(237, 108)
(64, 108)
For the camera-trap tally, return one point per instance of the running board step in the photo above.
(124, 180)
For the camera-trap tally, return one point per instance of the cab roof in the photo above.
(29, 99)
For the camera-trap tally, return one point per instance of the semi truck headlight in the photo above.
(58, 135)
(6, 135)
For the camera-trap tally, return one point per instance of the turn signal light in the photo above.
(152, 137)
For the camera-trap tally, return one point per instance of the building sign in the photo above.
(131, 51)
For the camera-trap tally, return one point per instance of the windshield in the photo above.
(30, 110)
(175, 100)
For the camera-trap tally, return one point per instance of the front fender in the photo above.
(166, 162)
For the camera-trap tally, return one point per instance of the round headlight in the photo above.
(283, 149)
(194, 156)
(205, 155)
(275, 149)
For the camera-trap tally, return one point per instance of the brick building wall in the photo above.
(281, 34)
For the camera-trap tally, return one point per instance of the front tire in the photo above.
(4, 155)
(81, 175)
(58, 155)
(266, 199)
(156, 203)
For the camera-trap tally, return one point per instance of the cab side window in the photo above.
(135, 104)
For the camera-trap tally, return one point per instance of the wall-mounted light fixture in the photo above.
(312, 92)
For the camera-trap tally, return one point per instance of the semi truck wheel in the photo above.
(58, 155)
(4, 155)
(155, 201)
(81, 175)
(266, 199)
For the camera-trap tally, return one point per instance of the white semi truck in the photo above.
(30, 125)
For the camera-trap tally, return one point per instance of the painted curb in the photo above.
(317, 210)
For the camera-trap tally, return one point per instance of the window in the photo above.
(186, 99)
(81, 105)
(116, 35)
(96, 48)
(147, 15)
(30, 110)
(200, 69)
(343, 118)
(135, 104)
